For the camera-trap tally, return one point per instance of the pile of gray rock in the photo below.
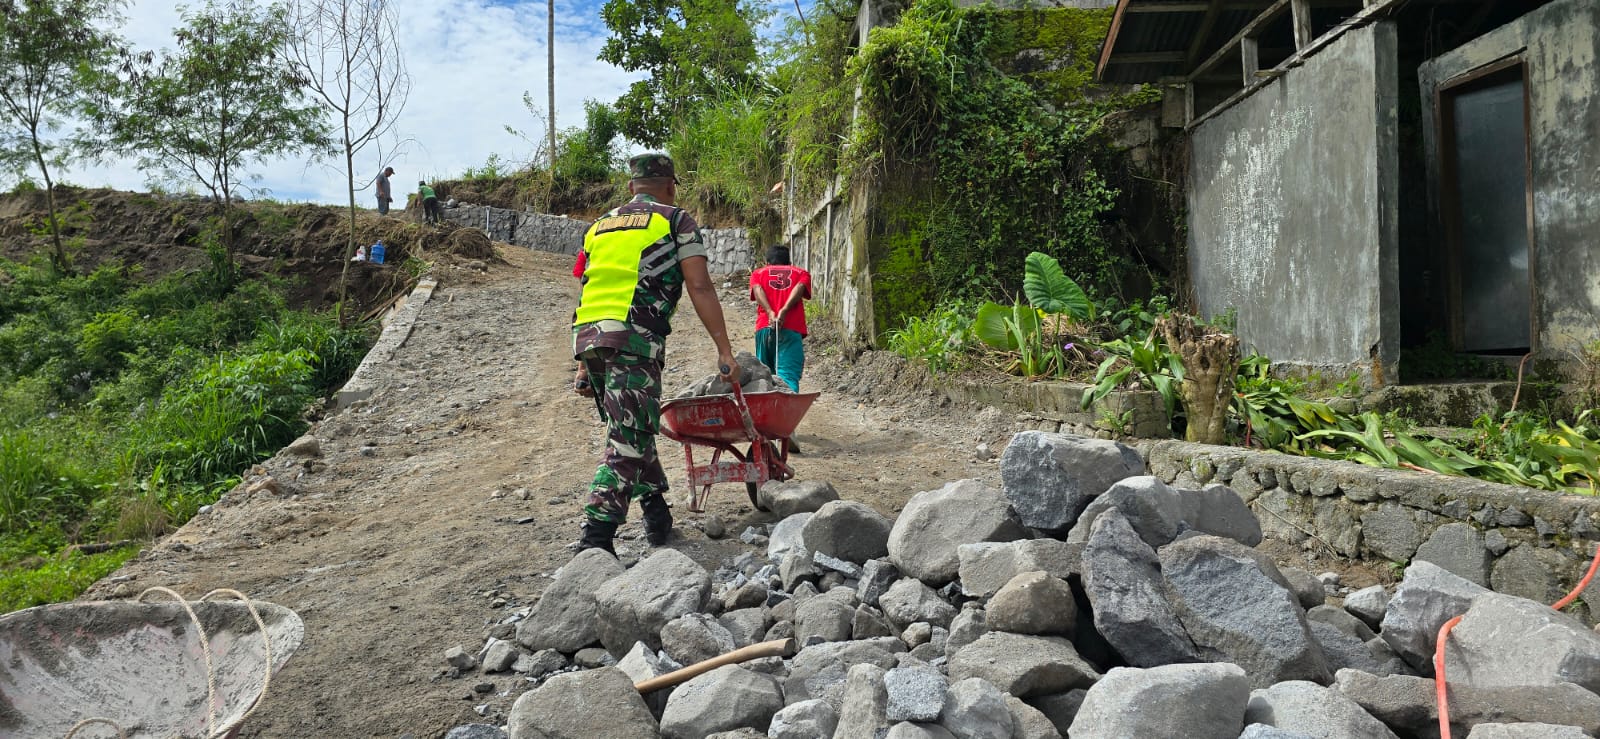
(754, 377)
(1082, 599)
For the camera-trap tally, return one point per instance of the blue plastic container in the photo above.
(376, 255)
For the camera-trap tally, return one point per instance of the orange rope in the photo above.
(1439, 685)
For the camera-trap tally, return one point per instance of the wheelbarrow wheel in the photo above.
(755, 499)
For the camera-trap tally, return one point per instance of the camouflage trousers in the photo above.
(628, 395)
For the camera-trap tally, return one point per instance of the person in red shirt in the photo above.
(780, 291)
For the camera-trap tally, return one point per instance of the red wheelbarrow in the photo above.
(764, 421)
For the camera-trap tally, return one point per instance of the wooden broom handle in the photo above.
(774, 648)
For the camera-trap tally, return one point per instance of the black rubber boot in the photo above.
(598, 535)
(657, 519)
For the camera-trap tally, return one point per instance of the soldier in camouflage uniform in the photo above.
(637, 260)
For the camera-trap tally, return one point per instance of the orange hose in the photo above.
(1439, 686)
(1438, 678)
(1584, 583)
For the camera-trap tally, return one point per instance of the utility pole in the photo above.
(551, 48)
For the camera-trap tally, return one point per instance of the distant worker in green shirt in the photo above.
(430, 204)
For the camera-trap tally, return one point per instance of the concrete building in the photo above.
(1372, 178)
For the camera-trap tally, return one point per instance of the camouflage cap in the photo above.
(651, 164)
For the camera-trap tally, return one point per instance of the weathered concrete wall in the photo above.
(1293, 211)
(1531, 543)
(728, 249)
(1560, 46)
(824, 243)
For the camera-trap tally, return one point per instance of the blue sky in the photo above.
(470, 61)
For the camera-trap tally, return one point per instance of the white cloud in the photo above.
(470, 62)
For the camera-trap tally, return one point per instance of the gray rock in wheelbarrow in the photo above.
(583, 705)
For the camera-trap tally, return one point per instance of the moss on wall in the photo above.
(1054, 50)
(897, 248)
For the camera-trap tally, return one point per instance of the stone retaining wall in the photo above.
(1056, 406)
(1530, 543)
(728, 249)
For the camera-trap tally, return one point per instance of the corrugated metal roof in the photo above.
(1142, 28)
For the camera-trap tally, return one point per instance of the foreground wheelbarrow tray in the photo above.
(764, 421)
(137, 664)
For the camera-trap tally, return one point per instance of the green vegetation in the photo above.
(1060, 333)
(1009, 166)
(126, 405)
(183, 113)
(49, 52)
(691, 50)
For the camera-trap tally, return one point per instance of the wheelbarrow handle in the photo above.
(744, 413)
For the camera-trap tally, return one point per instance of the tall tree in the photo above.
(691, 48)
(223, 101)
(47, 48)
(348, 54)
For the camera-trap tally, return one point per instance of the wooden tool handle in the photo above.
(774, 648)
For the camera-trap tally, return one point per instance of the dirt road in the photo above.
(400, 540)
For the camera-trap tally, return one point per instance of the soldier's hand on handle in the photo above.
(728, 368)
(581, 384)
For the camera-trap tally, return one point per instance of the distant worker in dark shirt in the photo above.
(385, 195)
(780, 291)
(430, 204)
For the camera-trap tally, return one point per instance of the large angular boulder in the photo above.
(1408, 704)
(1459, 549)
(1306, 707)
(1050, 478)
(1344, 651)
(975, 708)
(935, 523)
(1023, 665)
(864, 711)
(634, 606)
(564, 618)
(785, 499)
(696, 637)
(965, 628)
(1506, 640)
(1034, 603)
(819, 671)
(723, 699)
(1427, 597)
(986, 566)
(1219, 511)
(823, 618)
(1030, 722)
(915, 693)
(1153, 508)
(1133, 604)
(787, 536)
(1198, 701)
(1237, 608)
(583, 705)
(804, 720)
(642, 663)
(908, 601)
(1368, 604)
(847, 530)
